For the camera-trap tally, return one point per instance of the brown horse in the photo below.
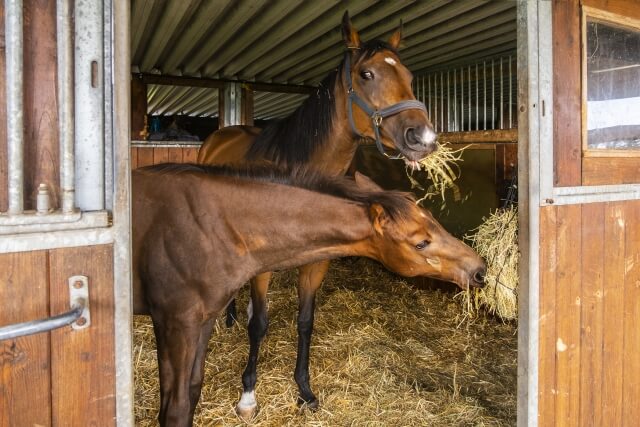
(199, 233)
(324, 133)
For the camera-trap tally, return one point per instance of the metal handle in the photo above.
(78, 317)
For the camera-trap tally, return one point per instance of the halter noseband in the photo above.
(375, 115)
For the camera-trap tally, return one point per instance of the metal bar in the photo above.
(441, 100)
(42, 325)
(510, 95)
(461, 99)
(448, 101)
(65, 105)
(484, 97)
(15, 104)
(469, 94)
(477, 99)
(455, 100)
(493, 97)
(429, 96)
(89, 93)
(501, 97)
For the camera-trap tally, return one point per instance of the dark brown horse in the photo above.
(371, 86)
(199, 233)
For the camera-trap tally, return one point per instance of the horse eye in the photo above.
(367, 75)
(420, 246)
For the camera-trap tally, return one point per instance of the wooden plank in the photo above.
(41, 150)
(615, 224)
(160, 155)
(134, 158)
(175, 155)
(607, 170)
(547, 320)
(591, 321)
(479, 136)
(25, 378)
(567, 145)
(628, 8)
(82, 362)
(568, 300)
(190, 155)
(4, 176)
(145, 157)
(631, 339)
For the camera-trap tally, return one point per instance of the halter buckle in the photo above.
(377, 119)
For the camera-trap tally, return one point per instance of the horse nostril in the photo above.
(410, 136)
(479, 276)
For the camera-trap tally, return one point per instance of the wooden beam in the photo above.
(167, 80)
(480, 136)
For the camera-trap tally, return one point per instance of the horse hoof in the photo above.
(247, 413)
(311, 404)
(247, 408)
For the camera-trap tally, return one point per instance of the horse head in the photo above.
(415, 244)
(380, 101)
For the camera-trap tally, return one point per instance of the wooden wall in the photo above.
(65, 377)
(589, 361)
(145, 156)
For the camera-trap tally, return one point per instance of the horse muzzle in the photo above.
(421, 139)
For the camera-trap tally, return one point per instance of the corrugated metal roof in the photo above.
(299, 42)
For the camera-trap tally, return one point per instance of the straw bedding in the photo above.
(383, 354)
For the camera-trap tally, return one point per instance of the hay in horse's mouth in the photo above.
(382, 352)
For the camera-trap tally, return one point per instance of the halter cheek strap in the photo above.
(376, 115)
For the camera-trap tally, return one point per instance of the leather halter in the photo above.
(375, 115)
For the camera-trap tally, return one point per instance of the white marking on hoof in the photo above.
(249, 312)
(390, 61)
(247, 407)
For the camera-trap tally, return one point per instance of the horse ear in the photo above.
(366, 183)
(349, 34)
(379, 218)
(396, 38)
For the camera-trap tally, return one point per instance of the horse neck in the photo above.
(336, 153)
(302, 227)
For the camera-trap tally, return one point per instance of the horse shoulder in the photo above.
(227, 145)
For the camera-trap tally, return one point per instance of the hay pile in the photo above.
(442, 170)
(496, 240)
(382, 353)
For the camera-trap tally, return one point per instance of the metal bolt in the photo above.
(78, 284)
(81, 321)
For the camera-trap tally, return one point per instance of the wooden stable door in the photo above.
(76, 375)
(583, 213)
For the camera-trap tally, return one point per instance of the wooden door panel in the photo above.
(589, 314)
(82, 361)
(25, 372)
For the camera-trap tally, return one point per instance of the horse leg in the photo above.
(310, 279)
(197, 372)
(176, 342)
(232, 313)
(258, 325)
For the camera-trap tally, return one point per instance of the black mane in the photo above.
(292, 140)
(397, 204)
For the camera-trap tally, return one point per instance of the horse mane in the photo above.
(292, 140)
(397, 204)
